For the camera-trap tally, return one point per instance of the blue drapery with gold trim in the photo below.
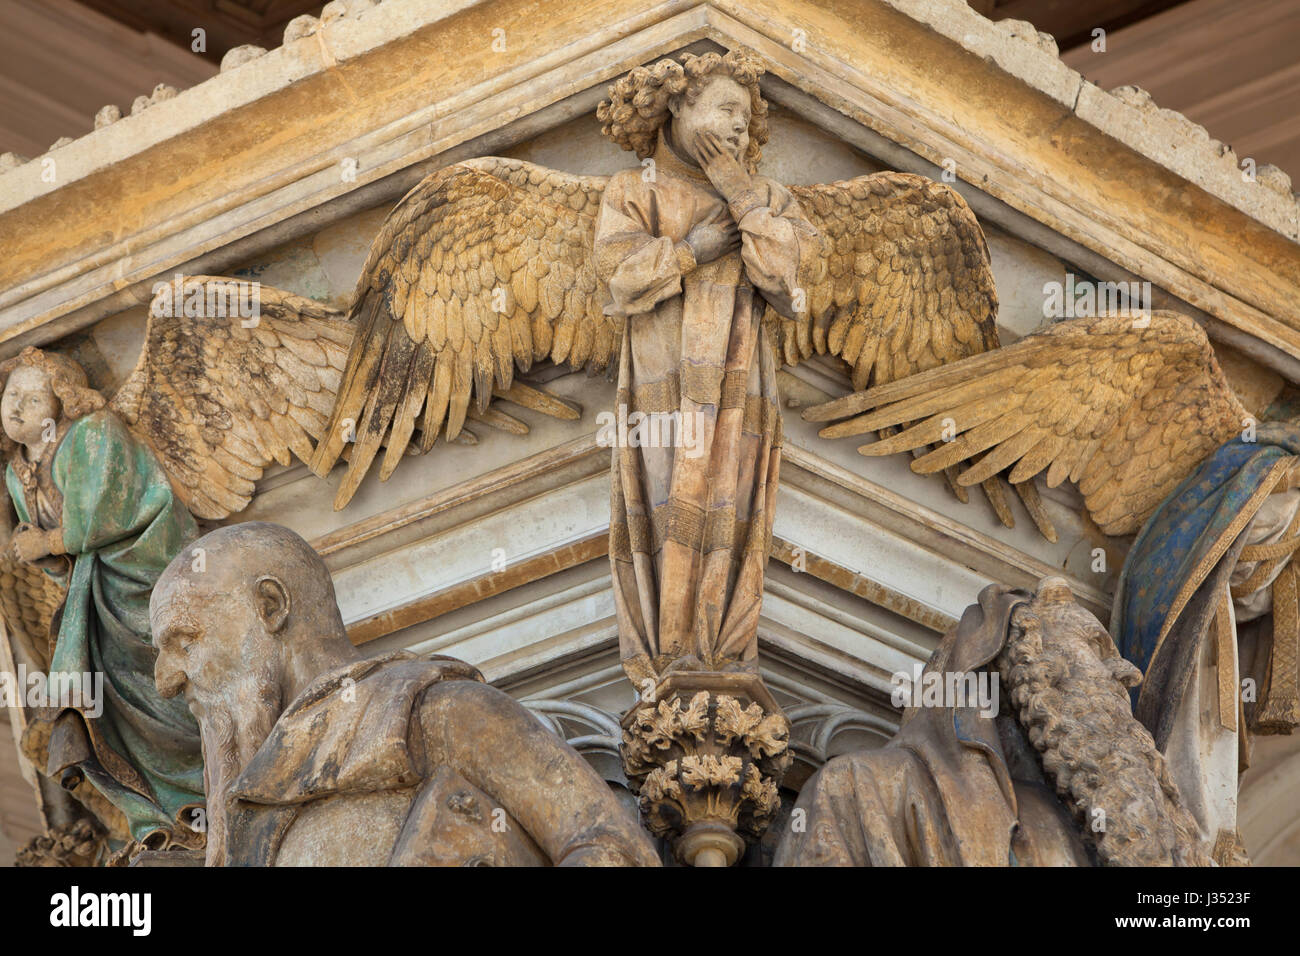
(1177, 554)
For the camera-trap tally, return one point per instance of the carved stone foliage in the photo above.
(79, 843)
(707, 752)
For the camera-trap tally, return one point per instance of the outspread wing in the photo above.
(484, 267)
(903, 283)
(1126, 407)
(219, 402)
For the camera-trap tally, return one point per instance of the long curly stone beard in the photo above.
(1076, 713)
(228, 745)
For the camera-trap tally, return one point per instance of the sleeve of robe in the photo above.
(563, 804)
(641, 269)
(15, 490)
(116, 498)
(55, 568)
(777, 243)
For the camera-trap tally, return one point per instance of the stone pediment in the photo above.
(283, 167)
(266, 150)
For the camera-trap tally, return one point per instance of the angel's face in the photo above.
(722, 108)
(29, 407)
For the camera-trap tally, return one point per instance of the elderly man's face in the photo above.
(207, 631)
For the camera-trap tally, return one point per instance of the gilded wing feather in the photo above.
(218, 402)
(903, 282)
(484, 267)
(1126, 407)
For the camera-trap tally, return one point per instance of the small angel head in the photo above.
(714, 93)
(40, 388)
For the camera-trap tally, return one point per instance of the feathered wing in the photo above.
(903, 282)
(1126, 407)
(28, 599)
(484, 267)
(219, 402)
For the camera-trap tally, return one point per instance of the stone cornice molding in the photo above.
(253, 156)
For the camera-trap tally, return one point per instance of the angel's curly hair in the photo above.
(67, 380)
(638, 103)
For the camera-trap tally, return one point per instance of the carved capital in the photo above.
(707, 752)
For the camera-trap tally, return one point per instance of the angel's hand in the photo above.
(713, 240)
(728, 175)
(29, 543)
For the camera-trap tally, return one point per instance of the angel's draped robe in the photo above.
(122, 524)
(691, 518)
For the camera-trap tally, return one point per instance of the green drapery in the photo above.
(122, 525)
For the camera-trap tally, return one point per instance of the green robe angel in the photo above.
(107, 495)
(97, 502)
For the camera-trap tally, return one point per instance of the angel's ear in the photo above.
(272, 602)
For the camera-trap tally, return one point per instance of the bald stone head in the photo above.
(246, 598)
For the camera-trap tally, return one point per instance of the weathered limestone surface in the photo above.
(495, 551)
(272, 172)
(317, 757)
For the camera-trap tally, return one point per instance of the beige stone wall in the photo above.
(19, 817)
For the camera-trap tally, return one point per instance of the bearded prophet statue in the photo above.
(1137, 411)
(316, 756)
(233, 377)
(1059, 774)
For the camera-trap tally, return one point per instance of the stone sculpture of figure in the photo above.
(692, 255)
(316, 756)
(98, 514)
(695, 278)
(106, 492)
(1063, 775)
(1136, 410)
(233, 376)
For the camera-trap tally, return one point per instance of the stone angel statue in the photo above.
(106, 493)
(692, 275)
(1138, 413)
